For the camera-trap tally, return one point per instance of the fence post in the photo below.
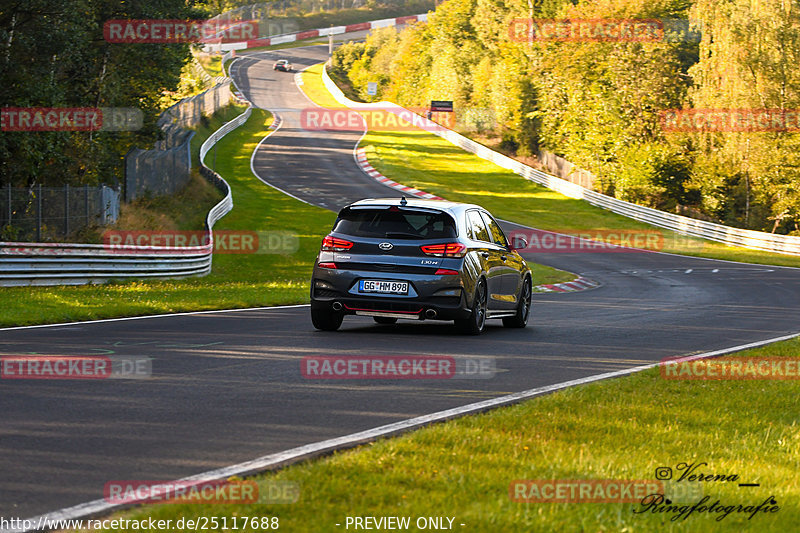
(86, 202)
(39, 214)
(8, 190)
(189, 151)
(66, 209)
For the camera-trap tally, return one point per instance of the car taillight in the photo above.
(334, 244)
(446, 272)
(451, 249)
(328, 265)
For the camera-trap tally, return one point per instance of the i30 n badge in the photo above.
(446, 261)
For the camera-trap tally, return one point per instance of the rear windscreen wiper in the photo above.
(400, 234)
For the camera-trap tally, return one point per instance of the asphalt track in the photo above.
(227, 386)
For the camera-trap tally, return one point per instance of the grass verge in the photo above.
(212, 64)
(341, 17)
(428, 162)
(463, 468)
(237, 280)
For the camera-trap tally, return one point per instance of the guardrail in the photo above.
(313, 34)
(758, 240)
(236, 94)
(78, 264)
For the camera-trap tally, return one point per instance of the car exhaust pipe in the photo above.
(430, 313)
(337, 306)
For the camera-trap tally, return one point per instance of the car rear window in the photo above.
(395, 222)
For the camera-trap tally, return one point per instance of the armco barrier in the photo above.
(77, 264)
(313, 34)
(785, 244)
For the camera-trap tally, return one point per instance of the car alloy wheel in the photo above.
(477, 320)
(520, 320)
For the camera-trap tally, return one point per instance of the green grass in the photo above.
(339, 18)
(430, 163)
(315, 89)
(543, 274)
(211, 64)
(237, 280)
(209, 125)
(342, 17)
(340, 38)
(617, 429)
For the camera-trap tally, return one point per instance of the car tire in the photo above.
(477, 320)
(520, 320)
(385, 320)
(326, 319)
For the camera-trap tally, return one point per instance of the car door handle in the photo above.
(485, 255)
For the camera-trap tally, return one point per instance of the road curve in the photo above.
(227, 386)
(314, 166)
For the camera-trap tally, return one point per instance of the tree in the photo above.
(54, 55)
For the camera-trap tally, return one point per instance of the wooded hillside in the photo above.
(600, 103)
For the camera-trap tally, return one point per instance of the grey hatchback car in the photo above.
(392, 258)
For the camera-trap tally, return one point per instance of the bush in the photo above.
(509, 144)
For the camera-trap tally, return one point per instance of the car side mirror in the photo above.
(518, 243)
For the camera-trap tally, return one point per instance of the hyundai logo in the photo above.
(385, 246)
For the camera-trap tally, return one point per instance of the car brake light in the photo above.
(328, 265)
(446, 272)
(451, 249)
(334, 244)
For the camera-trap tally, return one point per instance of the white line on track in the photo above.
(163, 315)
(253, 157)
(280, 459)
(294, 455)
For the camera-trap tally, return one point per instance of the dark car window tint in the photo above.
(498, 237)
(397, 223)
(476, 228)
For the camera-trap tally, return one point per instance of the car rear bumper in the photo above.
(434, 308)
(440, 297)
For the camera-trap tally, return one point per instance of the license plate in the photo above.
(383, 287)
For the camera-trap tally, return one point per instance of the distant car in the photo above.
(393, 258)
(282, 64)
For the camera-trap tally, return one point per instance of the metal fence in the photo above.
(46, 213)
(168, 167)
(189, 112)
(566, 170)
(74, 264)
(785, 244)
(158, 172)
(272, 16)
